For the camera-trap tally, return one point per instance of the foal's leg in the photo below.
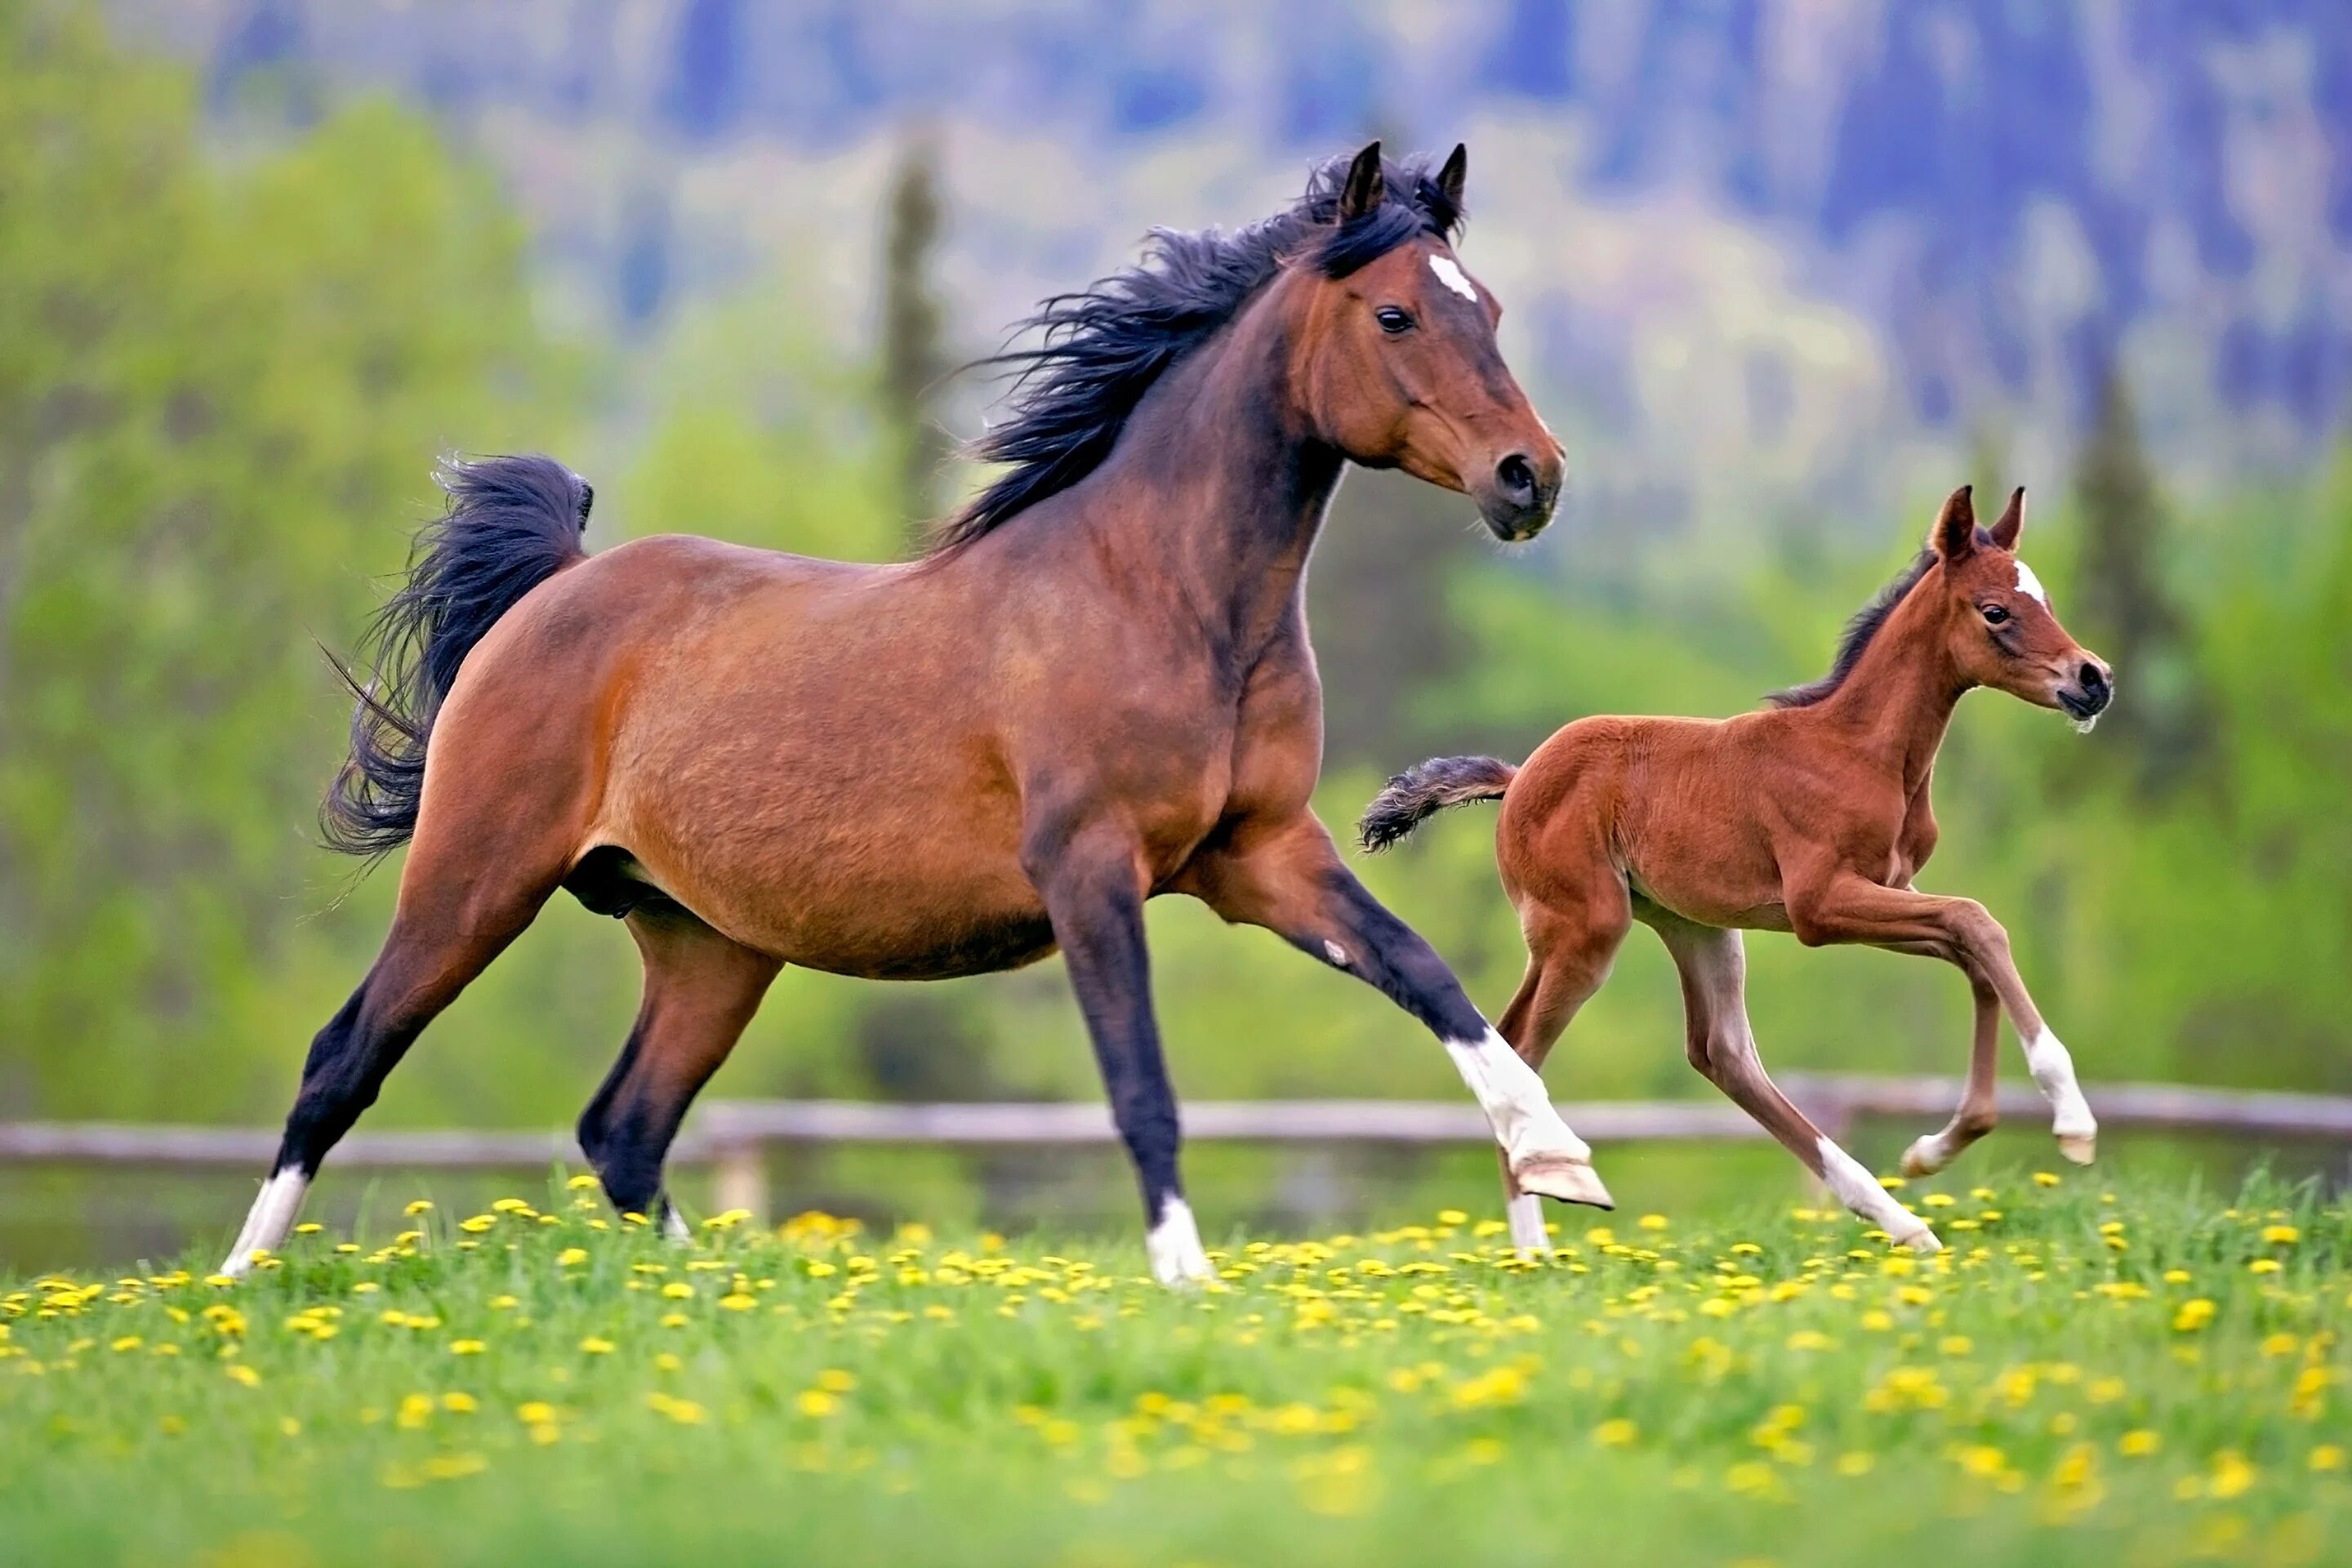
(701, 989)
(1569, 953)
(1288, 879)
(1714, 965)
(1848, 908)
(1980, 1107)
(1092, 881)
(456, 914)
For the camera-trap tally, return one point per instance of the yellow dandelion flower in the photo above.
(2139, 1444)
(2045, 1179)
(535, 1412)
(593, 1345)
(570, 1256)
(1856, 1463)
(477, 1224)
(2263, 1265)
(417, 1206)
(832, 1380)
(2282, 1234)
(737, 1302)
(581, 1183)
(240, 1372)
(2328, 1457)
(466, 1347)
(677, 1291)
(458, 1403)
(815, 1402)
(308, 1228)
(1653, 1221)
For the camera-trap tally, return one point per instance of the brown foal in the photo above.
(1097, 689)
(1810, 816)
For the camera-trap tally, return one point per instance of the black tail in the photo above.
(1421, 791)
(512, 523)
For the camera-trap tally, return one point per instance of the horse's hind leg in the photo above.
(701, 989)
(1714, 965)
(456, 913)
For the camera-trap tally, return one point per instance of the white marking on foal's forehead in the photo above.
(1452, 277)
(2027, 583)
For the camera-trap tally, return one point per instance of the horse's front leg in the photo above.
(1092, 881)
(1289, 879)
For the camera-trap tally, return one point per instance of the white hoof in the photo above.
(1926, 1156)
(1919, 1240)
(1557, 1176)
(2080, 1147)
(1173, 1244)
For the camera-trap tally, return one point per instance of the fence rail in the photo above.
(732, 1137)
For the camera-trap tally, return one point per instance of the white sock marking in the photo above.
(1174, 1244)
(1513, 1098)
(1526, 1213)
(674, 1224)
(1449, 272)
(268, 1223)
(2031, 585)
(1859, 1190)
(2054, 1072)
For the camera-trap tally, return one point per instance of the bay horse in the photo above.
(1094, 687)
(1811, 816)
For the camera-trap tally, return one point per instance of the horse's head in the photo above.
(1395, 355)
(1998, 626)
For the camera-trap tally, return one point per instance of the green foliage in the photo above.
(2094, 1375)
(220, 388)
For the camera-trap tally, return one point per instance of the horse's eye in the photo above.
(1394, 321)
(1994, 615)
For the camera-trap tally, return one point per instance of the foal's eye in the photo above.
(1994, 615)
(1394, 321)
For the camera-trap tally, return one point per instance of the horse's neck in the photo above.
(1896, 702)
(1217, 487)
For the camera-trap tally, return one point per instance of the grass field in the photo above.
(2092, 1374)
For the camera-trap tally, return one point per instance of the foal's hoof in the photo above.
(1925, 1157)
(1919, 1240)
(1569, 1181)
(2080, 1147)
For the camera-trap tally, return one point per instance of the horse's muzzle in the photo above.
(1518, 499)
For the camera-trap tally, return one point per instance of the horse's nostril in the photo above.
(2092, 677)
(1517, 477)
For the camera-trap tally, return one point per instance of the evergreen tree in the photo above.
(913, 356)
(2123, 608)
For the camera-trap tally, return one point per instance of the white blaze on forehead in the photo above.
(1452, 277)
(2027, 583)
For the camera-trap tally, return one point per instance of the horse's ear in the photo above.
(1955, 534)
(1367, 187)
(1455, 171)
(2012, 520)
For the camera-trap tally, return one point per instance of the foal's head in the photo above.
(1394, 352)
(1997, 622)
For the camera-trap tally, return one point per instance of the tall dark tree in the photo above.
(2123, 606)
(914, 356)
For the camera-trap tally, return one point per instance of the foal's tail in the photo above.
(512, 523)
(1421, 791)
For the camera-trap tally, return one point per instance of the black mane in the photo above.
(1858, 632)
(1103, 347)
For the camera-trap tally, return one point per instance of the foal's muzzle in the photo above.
(2088, 695)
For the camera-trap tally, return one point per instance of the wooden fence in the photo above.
(732, 1137)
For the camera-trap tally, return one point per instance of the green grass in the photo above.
(559, 1388)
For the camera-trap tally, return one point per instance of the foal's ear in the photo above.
(1367, 187)
(1455, 171)
(2012, 520)
(1955, 534)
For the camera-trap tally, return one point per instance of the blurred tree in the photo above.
(2123, 608)
(914, 356)
(217, 397)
